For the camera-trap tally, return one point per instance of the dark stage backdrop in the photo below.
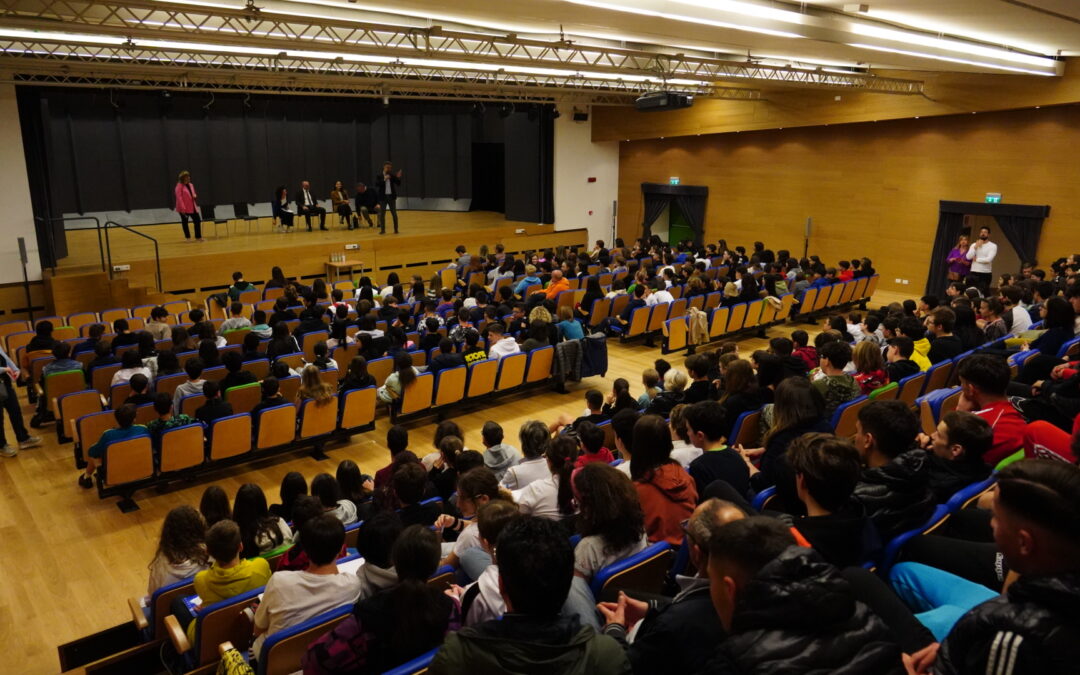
(122, 150)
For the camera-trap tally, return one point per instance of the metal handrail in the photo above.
(52, 237)
(157, 254)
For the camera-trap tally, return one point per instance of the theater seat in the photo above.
(182, 448)
(644, 571)
(358, 410)
(416, 666)
(276, 426)
(316, 419)
(230, 436)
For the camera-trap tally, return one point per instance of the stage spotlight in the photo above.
(505, 109)
(555, 114)
(386, 101)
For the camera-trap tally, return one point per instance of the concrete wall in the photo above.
(579, 203)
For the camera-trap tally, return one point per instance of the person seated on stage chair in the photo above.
(307, 206)
(281, 211)
(126, 428)
(139, 384)
(339, 199)
(236, 320)
(367, 202)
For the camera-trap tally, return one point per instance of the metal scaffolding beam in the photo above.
(270, 29)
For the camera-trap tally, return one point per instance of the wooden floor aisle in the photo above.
(71, 560)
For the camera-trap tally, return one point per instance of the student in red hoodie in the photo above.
(591, 444)
(983, 381)
(803, 349)
(667, 492)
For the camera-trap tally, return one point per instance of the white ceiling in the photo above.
(1017, 24)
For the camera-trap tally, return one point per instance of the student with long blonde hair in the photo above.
(312, 386)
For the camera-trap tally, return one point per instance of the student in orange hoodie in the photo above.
(667, 492)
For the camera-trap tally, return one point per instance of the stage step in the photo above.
(70, 292)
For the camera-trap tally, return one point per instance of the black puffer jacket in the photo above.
(798, 615)
(897, 496)
(1033, 628)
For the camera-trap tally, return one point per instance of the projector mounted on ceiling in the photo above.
(663, 100)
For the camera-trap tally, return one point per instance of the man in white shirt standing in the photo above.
(294, 597)
(982, 254)
(501, 345)
(307, 206)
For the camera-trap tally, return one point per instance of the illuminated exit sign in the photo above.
(993, 197)
(674, 180)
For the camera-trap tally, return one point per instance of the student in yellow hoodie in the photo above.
(914, 329)
(230, 575)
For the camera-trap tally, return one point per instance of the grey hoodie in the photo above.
(501, 457)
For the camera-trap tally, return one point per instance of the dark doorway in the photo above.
(488, 177)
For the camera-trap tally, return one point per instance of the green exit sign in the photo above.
(993, 197)
(674, 180)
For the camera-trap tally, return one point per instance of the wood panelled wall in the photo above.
(871, 188)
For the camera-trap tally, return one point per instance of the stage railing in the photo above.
(52, 237)
(108, 249)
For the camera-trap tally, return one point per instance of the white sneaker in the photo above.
(9, 451)
(31, 442)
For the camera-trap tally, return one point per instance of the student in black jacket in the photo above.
(677, 635)
(700, 389)
(236, 376)
(944, 344)
(704, 426)
(447, 358)
(898, 358)
(215, 406)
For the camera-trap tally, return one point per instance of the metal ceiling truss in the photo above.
(267, 29)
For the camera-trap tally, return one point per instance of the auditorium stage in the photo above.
(425, 244)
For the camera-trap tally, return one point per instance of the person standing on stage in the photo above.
(187, 206)
(388, 182)
(981, 254)
(339, 196)
(307, 206)
(367, 201)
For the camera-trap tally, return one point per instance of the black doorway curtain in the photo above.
(690, 199)
(1020, 223)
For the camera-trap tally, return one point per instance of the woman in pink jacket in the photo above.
(186, 205)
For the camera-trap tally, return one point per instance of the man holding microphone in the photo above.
(388, 183)
(981, 254)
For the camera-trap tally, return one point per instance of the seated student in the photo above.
(323, 360)
(826, 471)
(304, 509)
(836, 387)
(431, 337)
(236, 320)
(914, 329)
(403, 375)
(476, 488)
(650, 379)
(130, 364)
(1030, 628)
(956, 453)
(677, 635)
(894, 487)
(569, 327)
(215, 407)
(312, 387)
(235, 376)
(326, 488)
(409, 484)
(229, 574)
(675, 382)
(194, 384)
(741, 394)
(294, 597)
(93, 336)
(700, 389)
(705, 426)
(500, 344)
(270, 399)
(666, 491)
(262, 532)
(535, 440)
(125, 419)
(139, 390)
(167, 419)
(870, 371)
(481, 600)
(375, 541)
(498, 456)
(552, 497)
(898, 358)
(783, 607)
(393, 625)
(103, 356)
(984, 379)
(610, 521)
(945, 345)
(123, 336)
(591, 445)
(801, 341)
(293, 486)
(181, 551)
(536, 567)
(594, 401)
(250, 350)
(682, 450)
(356, 376)
(397, 442)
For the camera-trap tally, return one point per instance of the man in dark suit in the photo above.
(388, 182)
(367, 202)
(307, 205)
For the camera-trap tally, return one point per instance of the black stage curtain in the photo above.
(690, 199)
(529, 148)
(1020, 223)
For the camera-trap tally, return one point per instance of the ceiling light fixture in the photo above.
(966, 48)
(938, 57)
(683, 17)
